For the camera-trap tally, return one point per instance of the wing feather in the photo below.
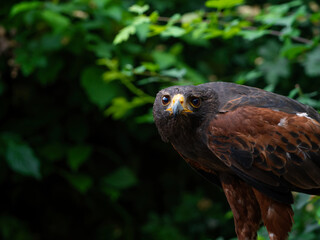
(270, 149)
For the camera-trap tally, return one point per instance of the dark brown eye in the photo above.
(165, 100)
(195, 102)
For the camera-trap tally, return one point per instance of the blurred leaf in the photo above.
(164, 59)
(306, 99)
(220, 4)
(247, 77)
(189, 17)
(139, 9)
(78, 155)
(302, 200)
(142, 31)
(294, 92)
(252, 34)
(101, 3)
(156, 29)
(312, 63)
(173, 31)
(121, 178)
(80, 182)
(24, 6)
(29, 62)
(99, 92)
(101, 49)
(273, 66)
(124, 34)
(150, 66)
(174, 19)
(154, 16)
(115, 12)
(21, 159)
(277, 14)
(112, 75)
(175, 73)
(121, 106)
(57, 21)
(291, 51)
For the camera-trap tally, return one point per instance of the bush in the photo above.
(81, 158)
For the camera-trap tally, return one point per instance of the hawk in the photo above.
(257, 145)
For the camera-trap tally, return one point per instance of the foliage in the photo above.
(80, 156)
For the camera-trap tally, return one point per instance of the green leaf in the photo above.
(294, 92)
(24, 6)
(124, 34)
(154, 17)
(292, 51)
(252, 34)
(173, 31)
(29, 61)
(115, 12)
(101, 49)
(312, 63)
(277, 14)
(273, 66)
(122, 178)
(164, 59)
(99, 91)
(174, 19)
(57, 21)
(121, 106)
(150, 66)
(175, 73)
(77, 156)
(142, 31)
(80, 182)
(139, 9)
(101, 3)
(220, 4)
(190, 17)
(301, 200)
(21, 159)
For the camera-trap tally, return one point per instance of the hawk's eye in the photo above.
(165, 100)
(195, 102)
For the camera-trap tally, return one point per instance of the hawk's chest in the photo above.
(193, 148)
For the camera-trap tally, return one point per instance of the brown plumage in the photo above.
(258, 146)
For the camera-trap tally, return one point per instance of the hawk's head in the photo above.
(183, 108)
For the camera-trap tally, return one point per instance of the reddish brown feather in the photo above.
(276, 216)
(258, 131)
(250, 206)
(244, 206)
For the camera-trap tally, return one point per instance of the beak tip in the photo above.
(177, 109)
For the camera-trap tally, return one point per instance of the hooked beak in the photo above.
(178, 106)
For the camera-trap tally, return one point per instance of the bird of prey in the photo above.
(257, 145)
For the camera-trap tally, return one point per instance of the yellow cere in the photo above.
(179, 97)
